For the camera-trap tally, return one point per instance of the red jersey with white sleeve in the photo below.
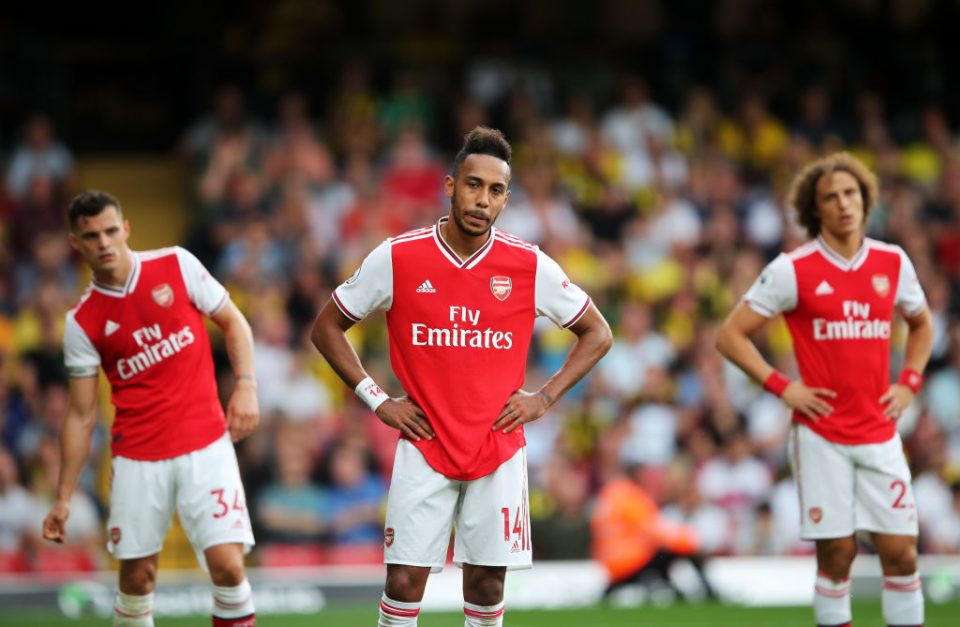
(839, 313)
(150, 339)
(459, 333)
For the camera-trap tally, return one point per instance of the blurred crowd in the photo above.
(665, 216)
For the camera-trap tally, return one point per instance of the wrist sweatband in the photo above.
(370, 393)
(911, 378)
(776, 383)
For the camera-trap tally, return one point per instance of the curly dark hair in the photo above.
(483, 140)
(803, 190)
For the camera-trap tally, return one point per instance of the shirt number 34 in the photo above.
(222, 508)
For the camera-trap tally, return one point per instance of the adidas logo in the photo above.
(823, 289)
(110, 328)
(426, 288)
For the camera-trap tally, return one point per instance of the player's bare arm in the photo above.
(733, 341)
(243, 411)
(329, 336)
(75, 436)
(919, 345)
(593, 341)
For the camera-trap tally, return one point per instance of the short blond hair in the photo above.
(803, 190)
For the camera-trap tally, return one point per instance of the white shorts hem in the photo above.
(838, 536)
(826, 536)
(247, 545)
(892, 532)
(136, 555)
(400, 562)
(507, 566)
(434, 568)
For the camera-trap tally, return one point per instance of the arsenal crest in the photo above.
(388, 536)
(163, 295)
(881, 284)
(115, 535)
(501, 286)
(816, 514)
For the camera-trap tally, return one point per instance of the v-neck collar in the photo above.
(128, 287)
(839, 260)
(452, 256)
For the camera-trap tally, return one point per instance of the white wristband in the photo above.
(370, 393)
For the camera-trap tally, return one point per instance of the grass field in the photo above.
(709, 615)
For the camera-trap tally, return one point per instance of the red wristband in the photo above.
(911, 378)
(776, 383)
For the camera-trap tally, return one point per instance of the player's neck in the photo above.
(463, 244)
(846, 245)
(117, 277)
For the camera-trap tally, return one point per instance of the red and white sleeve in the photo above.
(206, 293)
(371, 286)
(775, 290)
(556, 296)
(909, 299)
(79, 355)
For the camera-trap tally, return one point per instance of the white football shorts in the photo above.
(846, 488)
(202, 486)
(491, 515)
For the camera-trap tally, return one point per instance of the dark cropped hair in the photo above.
(803, 190)
(483, 140)
(89, 204)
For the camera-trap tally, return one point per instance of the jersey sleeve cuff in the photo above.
(578, 315)
(343, 308)
(766, 312)
(913, 312)
(220, 305)
(81, 372)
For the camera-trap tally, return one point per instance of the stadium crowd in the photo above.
(664, 215)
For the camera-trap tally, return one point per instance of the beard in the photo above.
(473, 231)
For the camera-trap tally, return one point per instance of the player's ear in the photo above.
(448, 185)
(74, 242)
(126, 228)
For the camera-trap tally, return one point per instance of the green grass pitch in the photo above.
(708, 615)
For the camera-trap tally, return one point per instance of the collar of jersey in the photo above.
(453, 257)
(130, 285)
(839, 260)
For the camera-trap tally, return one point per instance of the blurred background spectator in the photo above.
(17, 525)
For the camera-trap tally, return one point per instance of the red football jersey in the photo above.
(459, 334)
(839, 312)
(151, 341)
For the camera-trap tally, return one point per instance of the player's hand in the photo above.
(55, 524)
(521, 407)
(896, 399)
(407, 417)
(808, 401)
(243, 411)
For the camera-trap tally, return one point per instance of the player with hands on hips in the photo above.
(460, 298)
(838, 294)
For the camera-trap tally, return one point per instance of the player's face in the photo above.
(839, 204)
(101, 239)
(477, 193)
